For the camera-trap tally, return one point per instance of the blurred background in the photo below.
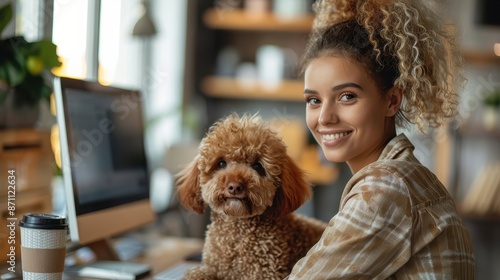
(198, 60)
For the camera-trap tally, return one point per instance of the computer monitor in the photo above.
(106, 177)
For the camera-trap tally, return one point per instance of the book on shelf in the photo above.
(483, 199)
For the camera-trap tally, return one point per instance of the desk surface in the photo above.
(167, 252)
(163, 252)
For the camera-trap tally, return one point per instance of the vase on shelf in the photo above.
(17, 115)
(491, 118)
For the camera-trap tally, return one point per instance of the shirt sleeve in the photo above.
(370, 237)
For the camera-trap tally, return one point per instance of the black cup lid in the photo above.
(43, 221)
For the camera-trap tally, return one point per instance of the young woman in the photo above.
(372, 66)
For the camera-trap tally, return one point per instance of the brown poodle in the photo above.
(243, 173)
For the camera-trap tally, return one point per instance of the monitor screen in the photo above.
(103, 159)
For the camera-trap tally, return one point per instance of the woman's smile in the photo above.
(333, 138)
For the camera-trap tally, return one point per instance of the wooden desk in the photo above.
(162, 253)
(167, 252)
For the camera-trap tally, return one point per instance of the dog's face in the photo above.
(243, 170)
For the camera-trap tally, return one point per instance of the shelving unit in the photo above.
(477, 57)
(475, 150)
(222, 87)
(237, 19)
(246, 31)
(28, 152)
(475, 129)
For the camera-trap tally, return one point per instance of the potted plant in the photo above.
(25, 77)
(492, 108)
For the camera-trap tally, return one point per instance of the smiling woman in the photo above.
(371, 67)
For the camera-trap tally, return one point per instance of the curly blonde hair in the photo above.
(401, 43)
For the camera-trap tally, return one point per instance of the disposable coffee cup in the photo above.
(43, 246)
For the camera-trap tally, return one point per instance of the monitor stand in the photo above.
(108, 265)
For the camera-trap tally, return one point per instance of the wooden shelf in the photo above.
(28, 152)
(221, 87)
(317, 172)
(474, 125)
(477, 57)
(479, 131)
(238, 19)
(472, 217)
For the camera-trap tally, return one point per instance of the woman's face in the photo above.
(345, 111)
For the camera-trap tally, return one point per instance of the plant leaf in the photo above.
(47, 52)
(30, 91)
(5, 16)
(15, 72)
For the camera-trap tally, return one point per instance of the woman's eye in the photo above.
(347, 96)
(259, 168)
(222, 164)
(312, 101)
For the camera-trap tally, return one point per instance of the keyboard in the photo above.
(176, 272)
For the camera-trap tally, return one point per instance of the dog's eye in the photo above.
(222, 164)
(257, 166)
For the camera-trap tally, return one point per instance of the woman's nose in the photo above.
(327, 115)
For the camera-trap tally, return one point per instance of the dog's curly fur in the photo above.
(243, 173)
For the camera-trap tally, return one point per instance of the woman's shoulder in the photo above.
(390, 169)
(400, 177)
(379, 178)
(378, 190)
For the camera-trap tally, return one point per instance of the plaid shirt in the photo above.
(396, 221)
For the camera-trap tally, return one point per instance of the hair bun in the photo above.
(328, 12)
(366, 12)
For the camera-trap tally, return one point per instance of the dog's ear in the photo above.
(292, 193)
(188, 187)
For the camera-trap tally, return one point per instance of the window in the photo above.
(95, 41)
(70, 26)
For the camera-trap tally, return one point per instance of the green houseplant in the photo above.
(491, 112)
(25, 77)
(492, 100)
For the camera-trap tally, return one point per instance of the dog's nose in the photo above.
(235, 188)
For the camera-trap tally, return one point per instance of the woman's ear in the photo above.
(292, 193)
(188, 187)
(394, 97)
